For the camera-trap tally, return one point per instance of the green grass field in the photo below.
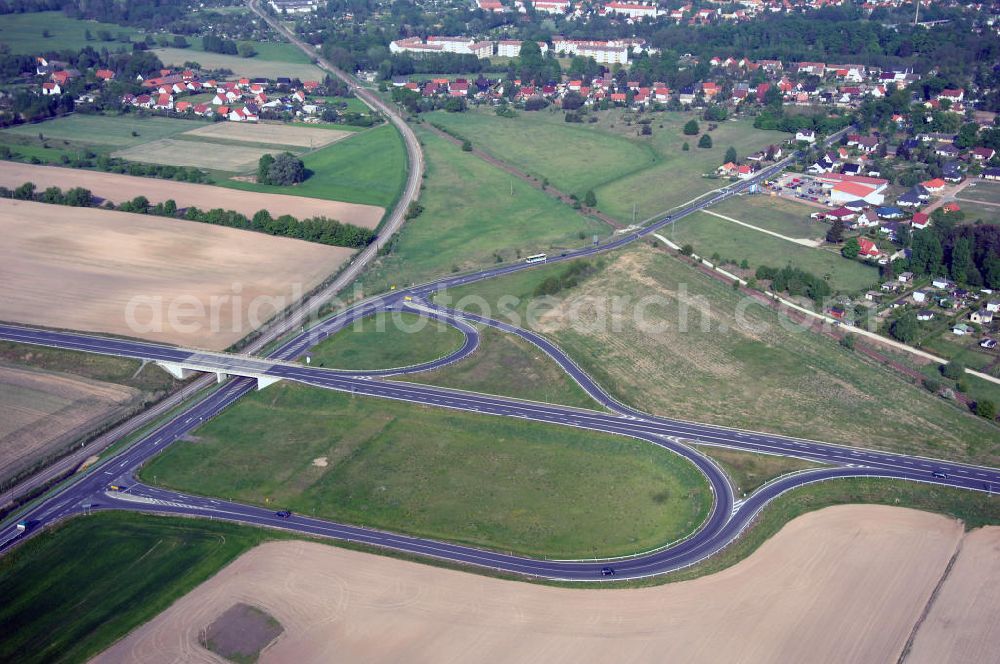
(114, 131)
(369, 168)
(762, 373)
(268, 67)
(652, 173)
(778, 215)
(266, 51)
(510, 366)
(470, 216)
(71, 593)
(982, 190)
(387, 341)
(709, 235)
(974, 211)
(23, 33)
(574, 157)
(504, 484)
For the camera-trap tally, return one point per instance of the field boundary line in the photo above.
(812, 244)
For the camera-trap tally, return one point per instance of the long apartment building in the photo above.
(604, 52)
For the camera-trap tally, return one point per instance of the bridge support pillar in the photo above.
(177, 371)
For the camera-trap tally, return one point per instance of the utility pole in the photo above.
(916, 13)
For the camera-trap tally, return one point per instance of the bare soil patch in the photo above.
(41, 412)
(962, 624)
(120, 188)
(232, 158)
(241, 633)
(160, 279)
(844, 584)
(279, 134)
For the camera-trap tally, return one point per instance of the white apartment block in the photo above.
(604, 52)
(511, 48)
(461, 45)
(633, 9)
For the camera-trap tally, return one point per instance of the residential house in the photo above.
(983, 154)
(991, 174)
(993, 305)
(952, 172)
(50, 88)
(920, 220)
(941, 282)
(961, 330)
(910, 199)
(934, 186)
(925, 314)
(988, 343)
(868, 248)
(981, 317)
(919, 296)
(905, 277)
(807, 135)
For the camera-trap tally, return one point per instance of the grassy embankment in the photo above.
(511, 485)
(473, 213)
(386, 341)
(104, 368)
(763, 373)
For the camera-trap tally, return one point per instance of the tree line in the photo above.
(315, 229)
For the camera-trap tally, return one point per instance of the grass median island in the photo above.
(763, 374)
(750, 471)
(500, 483)
(70, 593)
(473, 214)
(386, 341)
(507, 365)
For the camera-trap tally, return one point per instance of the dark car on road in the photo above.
(607, 571)
(284, 514)
(938, 474)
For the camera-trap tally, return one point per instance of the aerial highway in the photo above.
(728, 517)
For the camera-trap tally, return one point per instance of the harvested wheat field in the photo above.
(159, 279)
(120, 188)
(276, 134)
(174, 152)
(40, 412)
(844, 584)
(962, 625)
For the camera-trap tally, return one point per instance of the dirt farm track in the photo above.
(86, 269)
(844, 584)
(119, 188)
